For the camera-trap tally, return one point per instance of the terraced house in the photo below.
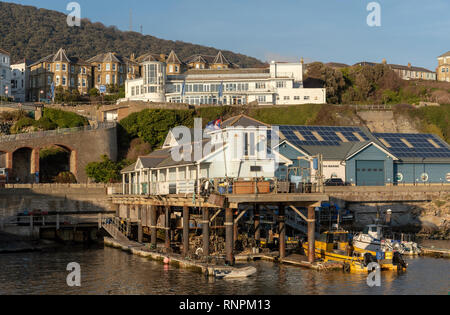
(5, 73)
(70, 73)
(112, 69)
(443, 66)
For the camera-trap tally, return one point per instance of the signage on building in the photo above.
(448, 177)
(102, 89)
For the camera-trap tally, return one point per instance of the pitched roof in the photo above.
(220, 59)
(107, 57)
(447, 54)
(2, 51)
(148, 57)
(243, 121)
(61, 56)
(412, 68)
(173, 58)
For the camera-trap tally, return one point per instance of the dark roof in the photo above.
(149, 57)
(4, 52)
(416, 147)
(337, 65)
(332, 146)
(129, 168)
(60, 56)
(107, 57)
(412, 68)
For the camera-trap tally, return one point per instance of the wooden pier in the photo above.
(146, 211)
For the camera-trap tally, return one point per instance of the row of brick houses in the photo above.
(33, 81)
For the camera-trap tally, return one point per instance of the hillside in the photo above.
(32, 33)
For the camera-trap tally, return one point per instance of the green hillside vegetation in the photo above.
(373, 85)
(52, 119)
(32, 33)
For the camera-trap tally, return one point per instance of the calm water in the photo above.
(110, 271)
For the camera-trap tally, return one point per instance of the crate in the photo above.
(248, 187)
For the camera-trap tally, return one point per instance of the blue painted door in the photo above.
(370, 173)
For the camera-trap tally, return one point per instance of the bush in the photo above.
(106, 171)
(65, 178)
(22, 124)
(64, 119)
(94, 92)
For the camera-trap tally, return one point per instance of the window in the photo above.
(260, 85)
(99, 67)
(72, 69)
(108, 67)
(99, 79)
(281, 84)
(171, 68)
(261, 98)
(297, 98)
(64, 67)
(64, 81)
(49, 67)
(84, 70)
(114, 67)
(57, 67)
(84, 82)
(57, 80)
(306, 98)
(72, 81)
(114, 79)
(49, 80)
(108, 79)
(287, 98)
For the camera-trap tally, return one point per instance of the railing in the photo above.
(57, 132)
(57, 221)
(223, 186)
(118, 228)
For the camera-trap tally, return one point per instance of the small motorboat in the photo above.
(234, 273)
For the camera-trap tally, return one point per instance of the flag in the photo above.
(214, 125)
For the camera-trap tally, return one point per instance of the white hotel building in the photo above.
(208, 80)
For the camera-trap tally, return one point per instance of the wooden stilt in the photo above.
(185, 230)
(282, 232)
(311, 234)
(205, 226)
(229, 236)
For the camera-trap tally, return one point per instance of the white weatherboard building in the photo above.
(239, 150)
(5, 73)
(278, 84)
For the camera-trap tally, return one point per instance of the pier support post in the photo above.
(282, 232)
(205, 226)
(185, 231)
(153, 236)
(235, 233)
(257, 225)
(311, 234)
(229, 236)
(167, 227)
(140, 232)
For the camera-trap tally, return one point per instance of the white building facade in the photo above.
(20, 75)
(279, 84)
(5, 74)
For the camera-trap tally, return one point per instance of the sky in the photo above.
(411, 31)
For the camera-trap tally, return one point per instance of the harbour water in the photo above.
(111, 271)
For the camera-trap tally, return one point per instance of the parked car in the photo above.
(335, 182)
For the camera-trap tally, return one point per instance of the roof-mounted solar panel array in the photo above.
(420, 145)
(322, 136)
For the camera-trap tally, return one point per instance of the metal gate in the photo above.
(370, 173)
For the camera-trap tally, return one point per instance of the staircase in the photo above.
(116, 228)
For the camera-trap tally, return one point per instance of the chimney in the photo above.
(384, 61)
(302, 61)
(132, 57)
(162, 57)
(409, 65)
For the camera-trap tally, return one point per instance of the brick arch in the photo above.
(73, 159)
(23, 166)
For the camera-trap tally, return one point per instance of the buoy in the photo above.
(166, 261)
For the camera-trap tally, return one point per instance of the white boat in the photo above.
(234, 273)
(372, 240)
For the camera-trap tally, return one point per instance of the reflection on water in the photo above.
(110, 271)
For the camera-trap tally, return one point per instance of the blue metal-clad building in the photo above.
(362, 158)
